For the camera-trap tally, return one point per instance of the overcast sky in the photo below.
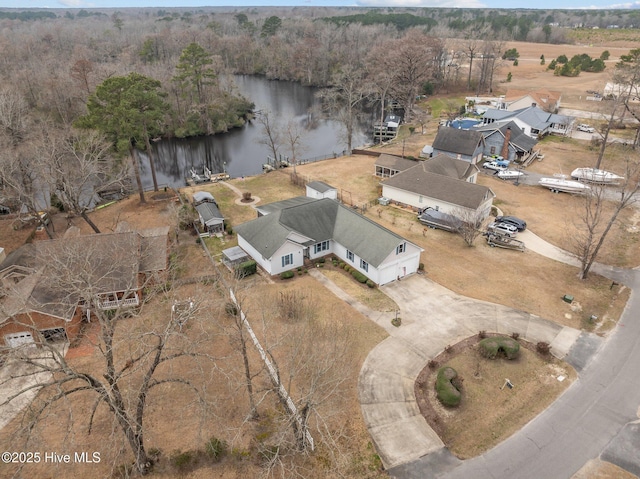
(547, 4)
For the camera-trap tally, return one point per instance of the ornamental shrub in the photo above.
(491, 347)
(246, 269)
(286, 275)
(361, 278)
(447, 393)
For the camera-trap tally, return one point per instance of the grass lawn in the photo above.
(490, 412)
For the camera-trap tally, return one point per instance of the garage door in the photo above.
(18, 339)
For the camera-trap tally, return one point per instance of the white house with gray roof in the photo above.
(444, 189)
(466, 145)
(282, 239)
(533, 121)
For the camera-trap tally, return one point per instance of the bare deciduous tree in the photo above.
(80, 168)
(271, 136)
(469, 227)
(345, 98)
(134, 358)
(595, 219)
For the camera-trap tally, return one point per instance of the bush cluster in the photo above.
(216, 448)
(361, 278)
(286, 275)
(447, 393)
(491, 347)
(246, 269)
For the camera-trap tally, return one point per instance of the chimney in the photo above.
(505, 147)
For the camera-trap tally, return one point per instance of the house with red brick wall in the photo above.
(48, 288)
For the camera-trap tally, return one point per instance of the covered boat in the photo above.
(594, 175)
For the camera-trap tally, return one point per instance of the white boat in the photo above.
(594, 175)
(510, 174)
(560, 183)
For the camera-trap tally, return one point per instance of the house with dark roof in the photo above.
(49, 287)
(304, 230)
(443, 189)
(507, 140)
(466, 145)
(388, 165)
(440, 164)
(533, 121)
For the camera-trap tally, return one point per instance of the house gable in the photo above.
(323, 220)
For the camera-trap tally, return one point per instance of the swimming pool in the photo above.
(464, 123)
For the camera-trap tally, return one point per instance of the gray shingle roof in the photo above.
(442, 164)
(279, 205)
(209, 211)
(454, 140)
(440, 187)
(518, 138)
(320, 220)
(531, 115)
(395, 162)
(320, 186)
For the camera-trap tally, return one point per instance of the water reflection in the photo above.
(239, 152)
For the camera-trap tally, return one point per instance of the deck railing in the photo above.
(116, 303)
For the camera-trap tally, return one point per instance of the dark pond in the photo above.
(239, 152)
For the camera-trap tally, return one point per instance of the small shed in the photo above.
(202, 197)
(210, 218)
(319, 189)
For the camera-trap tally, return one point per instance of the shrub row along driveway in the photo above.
(432, 318)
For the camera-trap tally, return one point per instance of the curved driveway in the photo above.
(597, 415)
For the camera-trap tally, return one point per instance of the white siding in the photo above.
(331, 193)
(398, 265)
(288, 248)
(251, 251)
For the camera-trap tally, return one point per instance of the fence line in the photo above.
(275, 377)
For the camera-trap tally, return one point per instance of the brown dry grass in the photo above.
(175, 423)
(598, 469)
(487, 414)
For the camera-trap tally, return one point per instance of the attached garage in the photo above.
(16, 340)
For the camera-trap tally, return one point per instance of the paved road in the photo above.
(596, 417)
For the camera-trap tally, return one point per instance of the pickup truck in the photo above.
(497, 165)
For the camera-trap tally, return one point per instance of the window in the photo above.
(401, 248)
(287, 259)
(364, 265)
(492, 150)
(420, 199)
(350, 255)
(318, 247)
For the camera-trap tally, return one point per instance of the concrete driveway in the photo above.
(432, 318)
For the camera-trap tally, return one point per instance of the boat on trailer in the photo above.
(510, 174)
(560, 183)
(595, 175)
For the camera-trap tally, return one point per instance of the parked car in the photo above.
(497, 165)
(504, 229)
(586, 128)
(521, 225)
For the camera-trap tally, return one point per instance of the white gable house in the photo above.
(282, 240)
